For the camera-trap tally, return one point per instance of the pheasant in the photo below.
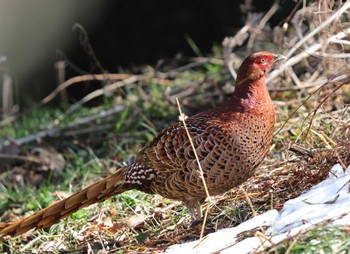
(230, 141)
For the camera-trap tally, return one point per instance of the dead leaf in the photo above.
(51, 159)
(135, 220)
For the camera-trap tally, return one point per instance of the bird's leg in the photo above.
(199, 209)
(195, 210)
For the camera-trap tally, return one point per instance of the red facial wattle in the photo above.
(264, 62)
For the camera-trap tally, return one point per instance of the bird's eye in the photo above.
(262, 61)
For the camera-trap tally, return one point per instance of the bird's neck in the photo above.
(251, 95)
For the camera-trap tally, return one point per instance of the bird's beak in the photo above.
(279, 57)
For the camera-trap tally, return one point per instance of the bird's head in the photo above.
(256, 66)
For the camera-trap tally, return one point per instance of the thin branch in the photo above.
(262, 24)
(332, 55)
(107, 89)
(182, 117)
(85, 42)
(81, 78)
(328, 21)
(302, 104)
(20, 157)
(304, 54)
(91, 77)
(55, 132)
(318, 107)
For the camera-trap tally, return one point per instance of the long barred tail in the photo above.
(92, 194)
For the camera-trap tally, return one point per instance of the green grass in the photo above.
(322, 239)
(31, 122)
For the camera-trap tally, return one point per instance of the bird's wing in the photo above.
(171, 149)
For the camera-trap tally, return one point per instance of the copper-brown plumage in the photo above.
(231, 141)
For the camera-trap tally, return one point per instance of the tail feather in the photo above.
(46, 217)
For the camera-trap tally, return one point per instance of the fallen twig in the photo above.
(20, 157)
(99, 77)
(68, 130)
